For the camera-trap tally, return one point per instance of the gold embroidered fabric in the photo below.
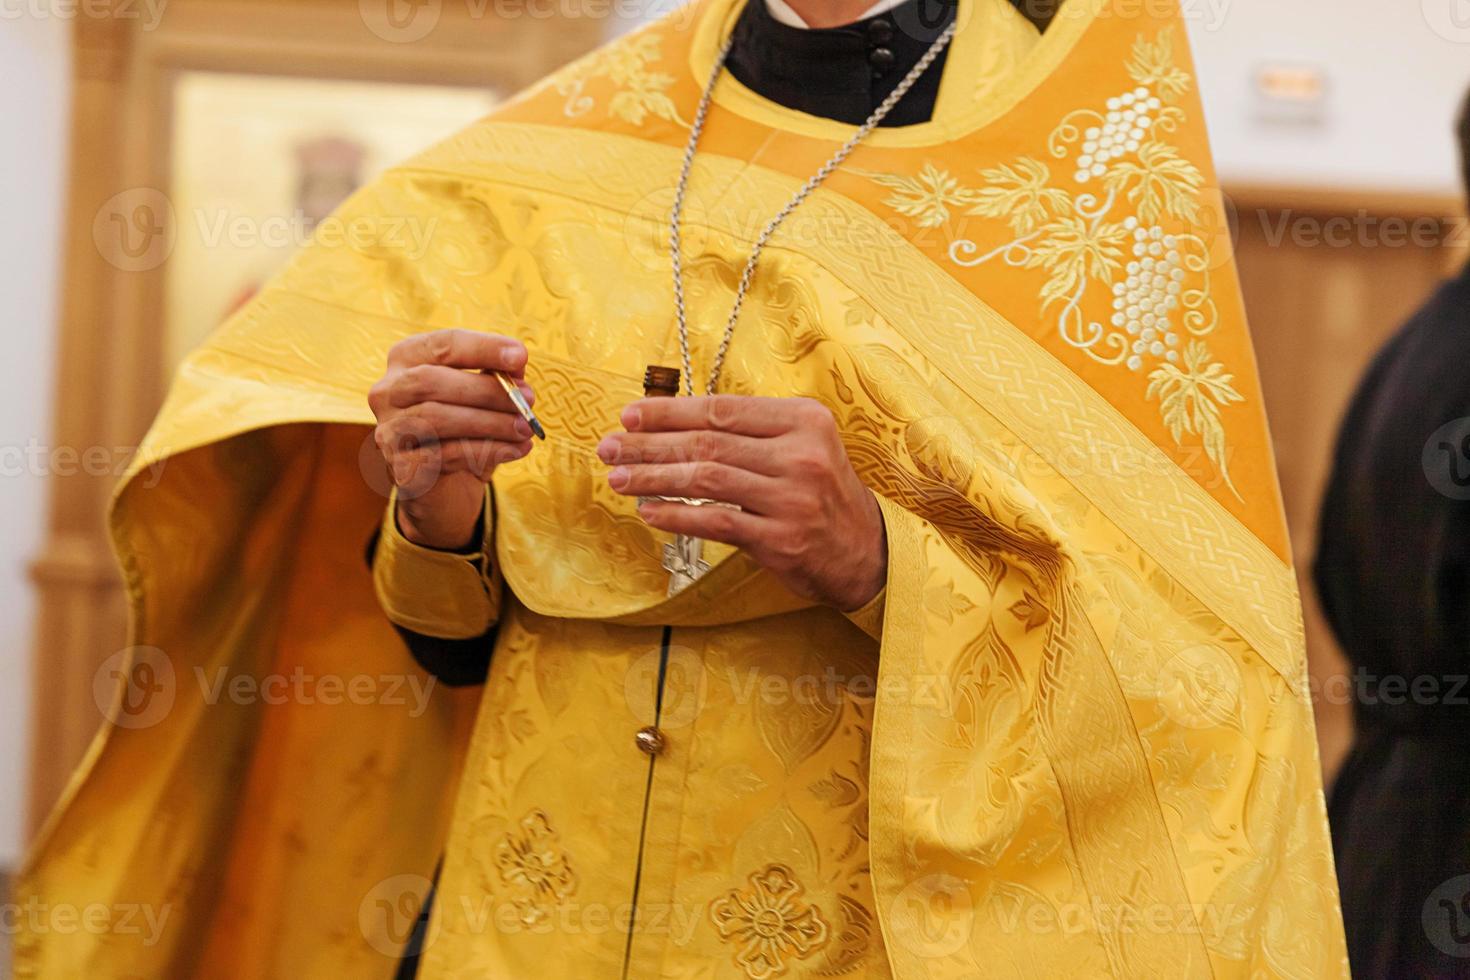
(869, 616)
(437, 593)
(1082, 745)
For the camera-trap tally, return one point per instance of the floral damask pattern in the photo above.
(1124, 219)
(640, 92)
(769, 924)
(533, 865)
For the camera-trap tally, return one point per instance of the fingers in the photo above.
(464, 349)
(742, 452)
(418, 468)
(481, 456)
(452, 386)
(431, 422)
(760, 417)
(707, 523)
(709, 481)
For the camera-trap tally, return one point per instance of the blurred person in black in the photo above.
(1393, 571)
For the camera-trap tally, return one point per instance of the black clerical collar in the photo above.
(843, 73)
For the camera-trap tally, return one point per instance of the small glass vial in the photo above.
(660, 382)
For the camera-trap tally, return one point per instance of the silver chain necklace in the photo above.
(684, 559)
(677, 221)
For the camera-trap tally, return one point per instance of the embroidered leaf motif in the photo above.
(1153, 65)
(1161, 182)
(1020, 194)
(1190, 399)
(1073, 249)
(1030, 611)
(836, 791)
(641, 92)
(927, 197)
(1117, 235)
(943, 600)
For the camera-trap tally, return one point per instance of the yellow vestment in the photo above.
(1088, 749)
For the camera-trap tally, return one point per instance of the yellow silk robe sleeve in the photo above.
(446, 594)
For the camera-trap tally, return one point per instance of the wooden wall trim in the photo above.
(1374, 202)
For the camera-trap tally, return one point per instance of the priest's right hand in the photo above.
(442, 429)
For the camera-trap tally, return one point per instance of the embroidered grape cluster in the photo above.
(1122, 131)
(1144, 301)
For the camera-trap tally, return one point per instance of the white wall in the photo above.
(1396, 71)
(34, 70)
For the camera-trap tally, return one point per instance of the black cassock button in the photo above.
(880, 31)
(881, 59)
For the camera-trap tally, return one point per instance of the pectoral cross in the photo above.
(684, 562)
(684, 559)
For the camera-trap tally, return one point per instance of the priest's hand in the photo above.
(443, 429)
(804, 514)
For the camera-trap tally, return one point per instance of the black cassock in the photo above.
(1393, 571)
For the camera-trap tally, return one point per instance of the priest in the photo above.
(943, 624)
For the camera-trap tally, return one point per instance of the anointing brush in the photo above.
(519, 401)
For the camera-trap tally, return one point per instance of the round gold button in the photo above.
(650, 740)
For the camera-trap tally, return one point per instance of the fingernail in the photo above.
(513, 357)
(523, 428)
(631, 417)
(607, 449)
(617, 478)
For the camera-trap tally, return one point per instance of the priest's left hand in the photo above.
(804, 514)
